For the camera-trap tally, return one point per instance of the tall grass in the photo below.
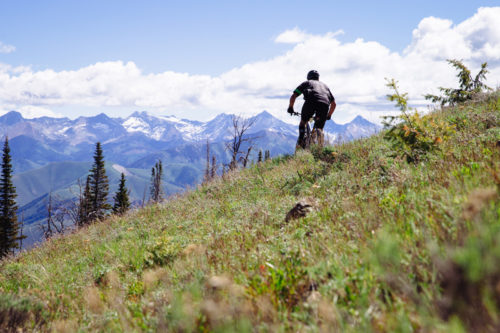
(388, 246)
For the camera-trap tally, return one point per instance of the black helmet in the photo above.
(313, 75)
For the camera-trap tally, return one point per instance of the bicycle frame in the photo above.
(314, 137)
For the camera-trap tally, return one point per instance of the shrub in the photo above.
(468, 86)
(329, 154)
(412, 136)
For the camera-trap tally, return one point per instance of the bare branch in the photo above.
(240, 127)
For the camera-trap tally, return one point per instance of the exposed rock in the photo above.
(301, 209)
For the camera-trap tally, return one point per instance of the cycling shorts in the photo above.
(309, 109)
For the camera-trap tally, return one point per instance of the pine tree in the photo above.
(260, 156)
(84, 204)
(99, 187)
(122, 203)
(47, 231)
(156, 189)
(213, 171)
(206, 178)
(267, 155)
(469, 86)
(9, 225)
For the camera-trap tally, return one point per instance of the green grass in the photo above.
(389, 246)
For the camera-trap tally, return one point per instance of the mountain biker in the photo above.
(318, 100)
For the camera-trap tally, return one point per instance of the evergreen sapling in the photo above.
(122, 203)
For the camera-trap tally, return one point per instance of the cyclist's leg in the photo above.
(306, 114)
(319, 122)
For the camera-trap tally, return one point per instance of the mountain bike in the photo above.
(311, 137)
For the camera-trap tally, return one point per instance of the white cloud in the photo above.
(292, 36)
(355, 71)
(30, 112)
(5, 48)
(295, 36)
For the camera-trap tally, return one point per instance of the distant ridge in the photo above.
(66, 139)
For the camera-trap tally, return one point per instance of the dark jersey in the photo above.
(315, 91)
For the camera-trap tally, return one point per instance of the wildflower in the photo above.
(407, 130)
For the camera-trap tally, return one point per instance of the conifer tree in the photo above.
(122, 203)
(259, 158)
(156, 189)
(213, 171)
(47, 231)
(206, 178)
(469, 86)
(84, 207)
(9, 225)
(99, 187)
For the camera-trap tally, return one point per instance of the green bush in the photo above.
(468, 86)
(330, 155)
(412, 136)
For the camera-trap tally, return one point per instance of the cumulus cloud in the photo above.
(354, 70)
(5, 48)
(30, 112)
(295, 36)
(292, 36)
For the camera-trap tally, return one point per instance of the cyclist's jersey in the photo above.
(315, 91)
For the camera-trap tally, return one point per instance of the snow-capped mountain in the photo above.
(127, 140)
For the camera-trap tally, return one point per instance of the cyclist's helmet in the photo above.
(313, 75)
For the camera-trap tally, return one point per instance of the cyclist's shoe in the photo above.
(290, 110)
(301, 144)
(320, 138)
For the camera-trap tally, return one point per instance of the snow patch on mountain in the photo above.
(121, 169)
(168, 129)
(134, 124)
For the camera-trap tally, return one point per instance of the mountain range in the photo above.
(54, 154)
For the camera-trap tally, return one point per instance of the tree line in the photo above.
(91, 205)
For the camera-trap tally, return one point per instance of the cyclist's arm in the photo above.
(333, 105)
(292, 99)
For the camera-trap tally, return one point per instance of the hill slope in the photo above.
(61, 179)
(387, 246)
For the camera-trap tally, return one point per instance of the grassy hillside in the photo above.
(388, 246)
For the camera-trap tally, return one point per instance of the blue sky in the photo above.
(213, 39)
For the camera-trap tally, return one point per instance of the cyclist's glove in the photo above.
(328, 117)
(290, 110)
